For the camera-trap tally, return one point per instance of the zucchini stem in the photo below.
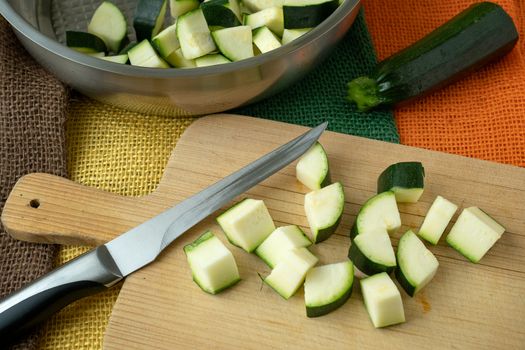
(364, 92)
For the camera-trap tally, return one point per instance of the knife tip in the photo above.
(321, 127)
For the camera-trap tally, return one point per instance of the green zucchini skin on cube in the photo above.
(317, 311)
(345, 282)
(218, 14)
(147, 17)
(402, 176)
(366, 265)
(189, 248)
(403, 281)
(416, 265)
(325, 233)
(309, 15)
(331, 199)
(353, 231)
(480, 34)
(376, 206)
(85, 42)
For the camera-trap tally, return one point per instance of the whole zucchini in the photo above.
(481, 33)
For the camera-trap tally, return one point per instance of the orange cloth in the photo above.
(482, 116)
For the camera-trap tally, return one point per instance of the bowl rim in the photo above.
(54, 47)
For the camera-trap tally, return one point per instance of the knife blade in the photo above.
(106, 265)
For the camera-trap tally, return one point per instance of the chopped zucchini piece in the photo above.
(85, 42)
(166, 42)
(265, 40)
(212, 265)
(328, 287)
(280, 242)
(289, 274)
(312, 169)
(235, 43)
(177, 59)
(307, 13)
(290, 35)
(258, 5)
(122, 59)
(180, 7)
(149, 18)
(211, 60)
(437, 219)
(380, 211)
(247, 224)
(222, 13)
(324, 209)
(474, 233)
(109, 24)
(382, 300)
(417, 264)
(271, 17)
(405, 179)
(194, 35)
(144, 55)
(372, 252)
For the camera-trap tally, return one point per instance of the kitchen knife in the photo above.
(106, 265)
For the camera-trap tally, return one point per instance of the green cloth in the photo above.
(321, 95)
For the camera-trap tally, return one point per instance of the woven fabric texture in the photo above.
(32, 115)
(481, 116)
(321, 95)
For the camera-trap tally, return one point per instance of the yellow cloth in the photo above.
(117, 151)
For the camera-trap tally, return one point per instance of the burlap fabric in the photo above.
(32, 116)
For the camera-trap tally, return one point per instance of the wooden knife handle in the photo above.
(45, 208)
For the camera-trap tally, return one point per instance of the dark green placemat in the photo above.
(321, 95)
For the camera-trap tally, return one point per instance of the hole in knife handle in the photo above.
(34, 203)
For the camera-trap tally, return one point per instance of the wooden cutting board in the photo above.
(465, 306)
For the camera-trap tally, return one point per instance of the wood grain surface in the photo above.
(466, 306)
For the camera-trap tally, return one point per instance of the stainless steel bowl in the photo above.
(40, 25)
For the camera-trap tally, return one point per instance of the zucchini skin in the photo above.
(403, 174)
(76, 39)
(353, 231)
(327, 179)
(403, 281)
(325, 233)
(316, 311)
(217, 14)
(480, 34)
(146, 18)
(216, 291)
(297, 17)
(364, 264)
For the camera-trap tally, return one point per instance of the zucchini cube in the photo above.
(289, 274)
(247, 224)
(280, 242)
(437, 219)
(382, 300)
(474, 233)
(212, 265)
